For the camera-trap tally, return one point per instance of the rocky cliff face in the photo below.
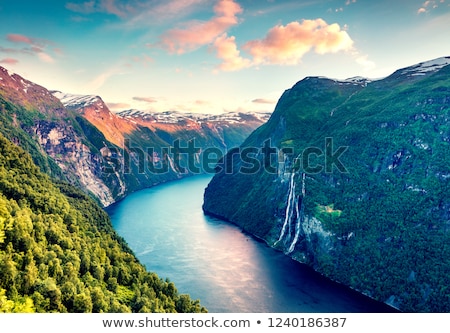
(35, 119)
(78, 139)
(350, 178)
(78, 162)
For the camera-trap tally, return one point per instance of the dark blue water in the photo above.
(213, 261)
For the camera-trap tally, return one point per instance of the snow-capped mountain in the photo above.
(425, 67)
(81, 102)
(174, 117)
(27, 93)
(71, 100)
(358, 80)
(116, 126)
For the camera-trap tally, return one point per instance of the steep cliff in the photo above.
(145, 149)
(60, 143)
(78, 139)
(352, 178)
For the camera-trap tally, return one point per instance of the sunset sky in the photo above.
(213, 56)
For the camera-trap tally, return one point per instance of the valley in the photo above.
(348, 177)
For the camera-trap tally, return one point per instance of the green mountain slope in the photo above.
(106, 154)
(59, 252)
(356, 185)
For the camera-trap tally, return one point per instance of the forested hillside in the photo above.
(359, 187)
(59, 252)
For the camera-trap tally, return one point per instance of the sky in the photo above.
(213, 56)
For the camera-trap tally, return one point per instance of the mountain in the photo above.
(62, 143)
(78, 139)
(60, 253)
(351, 177)
(224, 131)
(145, 149)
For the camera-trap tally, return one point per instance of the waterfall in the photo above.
(299, 214)
(288, 215)
(171, 164)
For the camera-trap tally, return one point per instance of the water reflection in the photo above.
(215, 262)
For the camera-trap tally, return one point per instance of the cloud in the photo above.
(227, 50)
(135, 12)
(101, 79)
(201, 102)
(155, 13)
(145, 99)
(9, 61)
(16, 38)
(143, 60)
(286, 45)
(9, 50)
(363, 60)
(118, 106)
(58, 51)
(429, 5)
(45, 57)
(36, 47)
(87, 7)
(121, 9)
(263, 101)
(198, 33)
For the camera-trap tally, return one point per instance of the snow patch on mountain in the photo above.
(358, 80)
(174, 117)
(426, 67)
(71, 100)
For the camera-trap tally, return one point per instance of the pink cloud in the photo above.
(16, 38)
(286, 45)
(144, 60)
(227, 51)
(58, 51)
(37, 44)
(121, 9)
(118, 106)
(145, 99)
(9, 61)
(201, 102)
(45, 57)
(36, 47)
(198, 33)
(263, 101)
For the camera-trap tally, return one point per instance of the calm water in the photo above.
(213, 261)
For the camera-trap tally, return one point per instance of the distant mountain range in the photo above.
(352, 177)
(77, 138)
